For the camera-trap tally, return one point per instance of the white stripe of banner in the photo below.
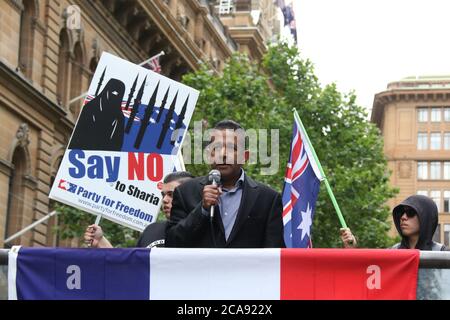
(214, 274)
(12, 272)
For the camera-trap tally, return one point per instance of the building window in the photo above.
(435, 114)
(422, 114)
(435, 141)
(446, 201)
(446, 234)
(15, 205)
(447, 170)
(437, 234)
(422, 141)
(76, 79)
(422, 170)
(63, 69)
(26, 37)
(435, 195)
(447, 140)
(446, 114)
(435, 170)
(422, 193)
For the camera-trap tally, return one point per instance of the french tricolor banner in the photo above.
(211, 274)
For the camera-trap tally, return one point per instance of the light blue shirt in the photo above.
(229, 203)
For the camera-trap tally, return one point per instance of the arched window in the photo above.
(75, 81)
(15, 206)
(26, 37)
(63, 68)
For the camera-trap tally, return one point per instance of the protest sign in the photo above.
(126, 139)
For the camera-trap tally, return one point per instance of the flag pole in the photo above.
(327, 184)
(151, 58)
(181, 161)
(31, 226)
(97, 222)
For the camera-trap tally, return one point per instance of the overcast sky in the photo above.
(365, 44)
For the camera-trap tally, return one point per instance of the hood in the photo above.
(427, 213)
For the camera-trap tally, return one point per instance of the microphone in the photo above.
(214, 178)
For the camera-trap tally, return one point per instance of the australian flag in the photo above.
(301, 187)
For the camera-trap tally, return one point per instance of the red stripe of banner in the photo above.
(337, 274)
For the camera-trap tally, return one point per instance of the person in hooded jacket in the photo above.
(416, 220)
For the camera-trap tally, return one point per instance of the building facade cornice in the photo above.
(409, 95)
(250, 36)
(107, 23)
(170, 27)
(16, 83)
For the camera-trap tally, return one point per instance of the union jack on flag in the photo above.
(301, 187)
(153, 64)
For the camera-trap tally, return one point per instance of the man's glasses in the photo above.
(410, 213)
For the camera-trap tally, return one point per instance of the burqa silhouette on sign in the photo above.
(101, 122)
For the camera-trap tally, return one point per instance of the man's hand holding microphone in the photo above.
(212, 192)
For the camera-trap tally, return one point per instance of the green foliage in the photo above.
(349, 147)
(244, 94)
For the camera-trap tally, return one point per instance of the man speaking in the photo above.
(235, 212)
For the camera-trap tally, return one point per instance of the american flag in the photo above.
(301, 187)
(153, 64)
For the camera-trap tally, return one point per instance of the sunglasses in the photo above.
(410, 213)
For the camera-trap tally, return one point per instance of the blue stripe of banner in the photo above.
(54, 273)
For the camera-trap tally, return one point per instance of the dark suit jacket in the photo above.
(258, 223)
